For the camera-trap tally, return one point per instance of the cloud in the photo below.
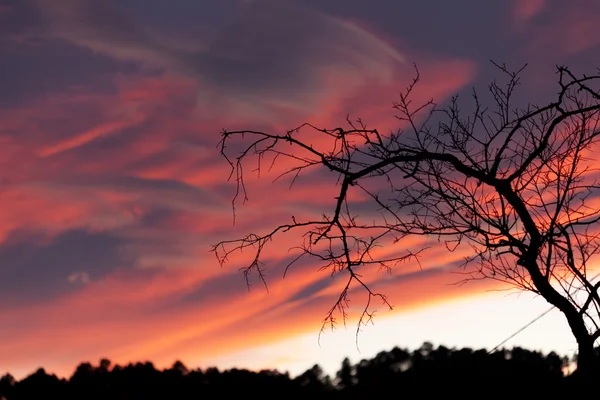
(37, 267)
(102, 27)
(86, 137)
(564, 31)
(113, 190)
(51, 209)
(279, 53)
(79, 277)
(524, 10)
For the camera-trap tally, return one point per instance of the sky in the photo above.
(112, 189)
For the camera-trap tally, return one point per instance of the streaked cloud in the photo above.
(112, 189)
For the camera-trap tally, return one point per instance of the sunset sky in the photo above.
(112, 189)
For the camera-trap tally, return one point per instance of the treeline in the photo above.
(427, 370)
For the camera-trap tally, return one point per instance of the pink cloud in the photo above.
(141, 162)
(567, 30)
(524, 10)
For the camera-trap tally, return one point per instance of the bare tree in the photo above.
(515, 185)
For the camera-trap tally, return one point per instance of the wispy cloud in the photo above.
(112, 189)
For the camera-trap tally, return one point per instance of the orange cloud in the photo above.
(139, 162)
(141, 311)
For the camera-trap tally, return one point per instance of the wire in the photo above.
(533, 321)
(521, 329)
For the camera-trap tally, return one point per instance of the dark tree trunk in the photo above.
(586, 359)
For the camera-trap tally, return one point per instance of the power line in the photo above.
(533, 321)
(521, 329)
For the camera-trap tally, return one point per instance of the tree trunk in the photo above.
(586, 360)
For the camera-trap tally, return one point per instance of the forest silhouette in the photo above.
(427, 370)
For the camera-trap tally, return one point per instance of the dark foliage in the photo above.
(425, 371)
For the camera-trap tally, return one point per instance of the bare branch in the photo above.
(511, 186)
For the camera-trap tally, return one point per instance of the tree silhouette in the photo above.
(7, 383)
(313, 380)
(428, 370)
(513, 186)
(346, 375)
(39, 385)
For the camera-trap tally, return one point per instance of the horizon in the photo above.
(345, 344)
(396, 370)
